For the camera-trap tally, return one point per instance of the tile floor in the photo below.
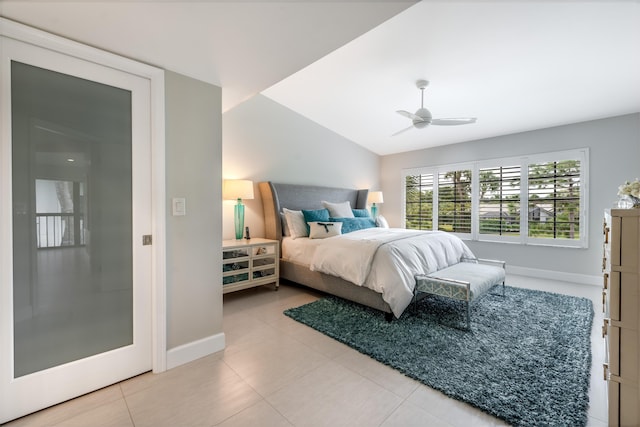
(277, 372)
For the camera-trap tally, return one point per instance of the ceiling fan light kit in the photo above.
(423, 118)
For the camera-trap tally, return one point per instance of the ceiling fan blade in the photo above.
(402, 131)
(410, 115)
(454, 122)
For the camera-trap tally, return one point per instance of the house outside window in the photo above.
(537, 199)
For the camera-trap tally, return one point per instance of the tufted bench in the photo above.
(466, 281)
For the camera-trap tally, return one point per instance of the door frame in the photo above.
(155, 75)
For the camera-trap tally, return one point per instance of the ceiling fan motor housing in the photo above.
(426, 117)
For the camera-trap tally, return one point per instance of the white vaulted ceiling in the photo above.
(241, 46)
(516, 65)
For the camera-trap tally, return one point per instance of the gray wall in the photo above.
(614, 152)
(264, 141)
(193, 171)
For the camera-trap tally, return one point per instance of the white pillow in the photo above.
(339, 210)
(295, 222)
(382, 222)
(285, 226)
(322, 230)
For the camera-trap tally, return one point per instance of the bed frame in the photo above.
(297, 197)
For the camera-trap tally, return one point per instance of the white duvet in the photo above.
(386, 259)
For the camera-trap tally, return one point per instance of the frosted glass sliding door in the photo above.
(71, 146)
(75, 187)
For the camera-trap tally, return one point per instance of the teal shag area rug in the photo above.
(526, 359)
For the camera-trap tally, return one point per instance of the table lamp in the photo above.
(375, 197)
(238, 189)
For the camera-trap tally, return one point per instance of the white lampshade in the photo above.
(375, 197)
(233, 189)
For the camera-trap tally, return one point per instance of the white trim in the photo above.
(159, 225)
(475, 202)
(195, 350)
(6, 226)
(584, 198)
(52, 42)
(524, 202)
(584, 279)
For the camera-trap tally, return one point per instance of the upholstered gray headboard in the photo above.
(297, 197)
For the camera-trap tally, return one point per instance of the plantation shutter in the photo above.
(499, 200)
(454, 201)
(419, 202)
(554, 200)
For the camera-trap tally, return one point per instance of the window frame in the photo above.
(580, 154)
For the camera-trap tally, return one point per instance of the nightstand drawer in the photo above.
(270, 250)
(235, 278)
(264, 273)
(234, 254)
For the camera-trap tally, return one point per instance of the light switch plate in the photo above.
(179, 206)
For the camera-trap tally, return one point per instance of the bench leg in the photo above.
(493, 293)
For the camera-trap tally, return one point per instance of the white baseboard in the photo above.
(555, 275)
(195, 350)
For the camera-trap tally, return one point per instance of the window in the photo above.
(499, 200)
(538, 199)
(419, 202)
(554, 199)
(454, 201)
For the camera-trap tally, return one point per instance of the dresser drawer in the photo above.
(623, 349)
(613, 390)
(606, 295)
(607, 243)
(623, 404)
(621, 301)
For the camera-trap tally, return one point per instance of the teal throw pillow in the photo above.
(360, 213)
(321, 215)
(353, 224)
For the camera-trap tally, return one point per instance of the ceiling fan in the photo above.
(422, 118)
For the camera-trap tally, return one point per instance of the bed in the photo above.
(387, 293)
